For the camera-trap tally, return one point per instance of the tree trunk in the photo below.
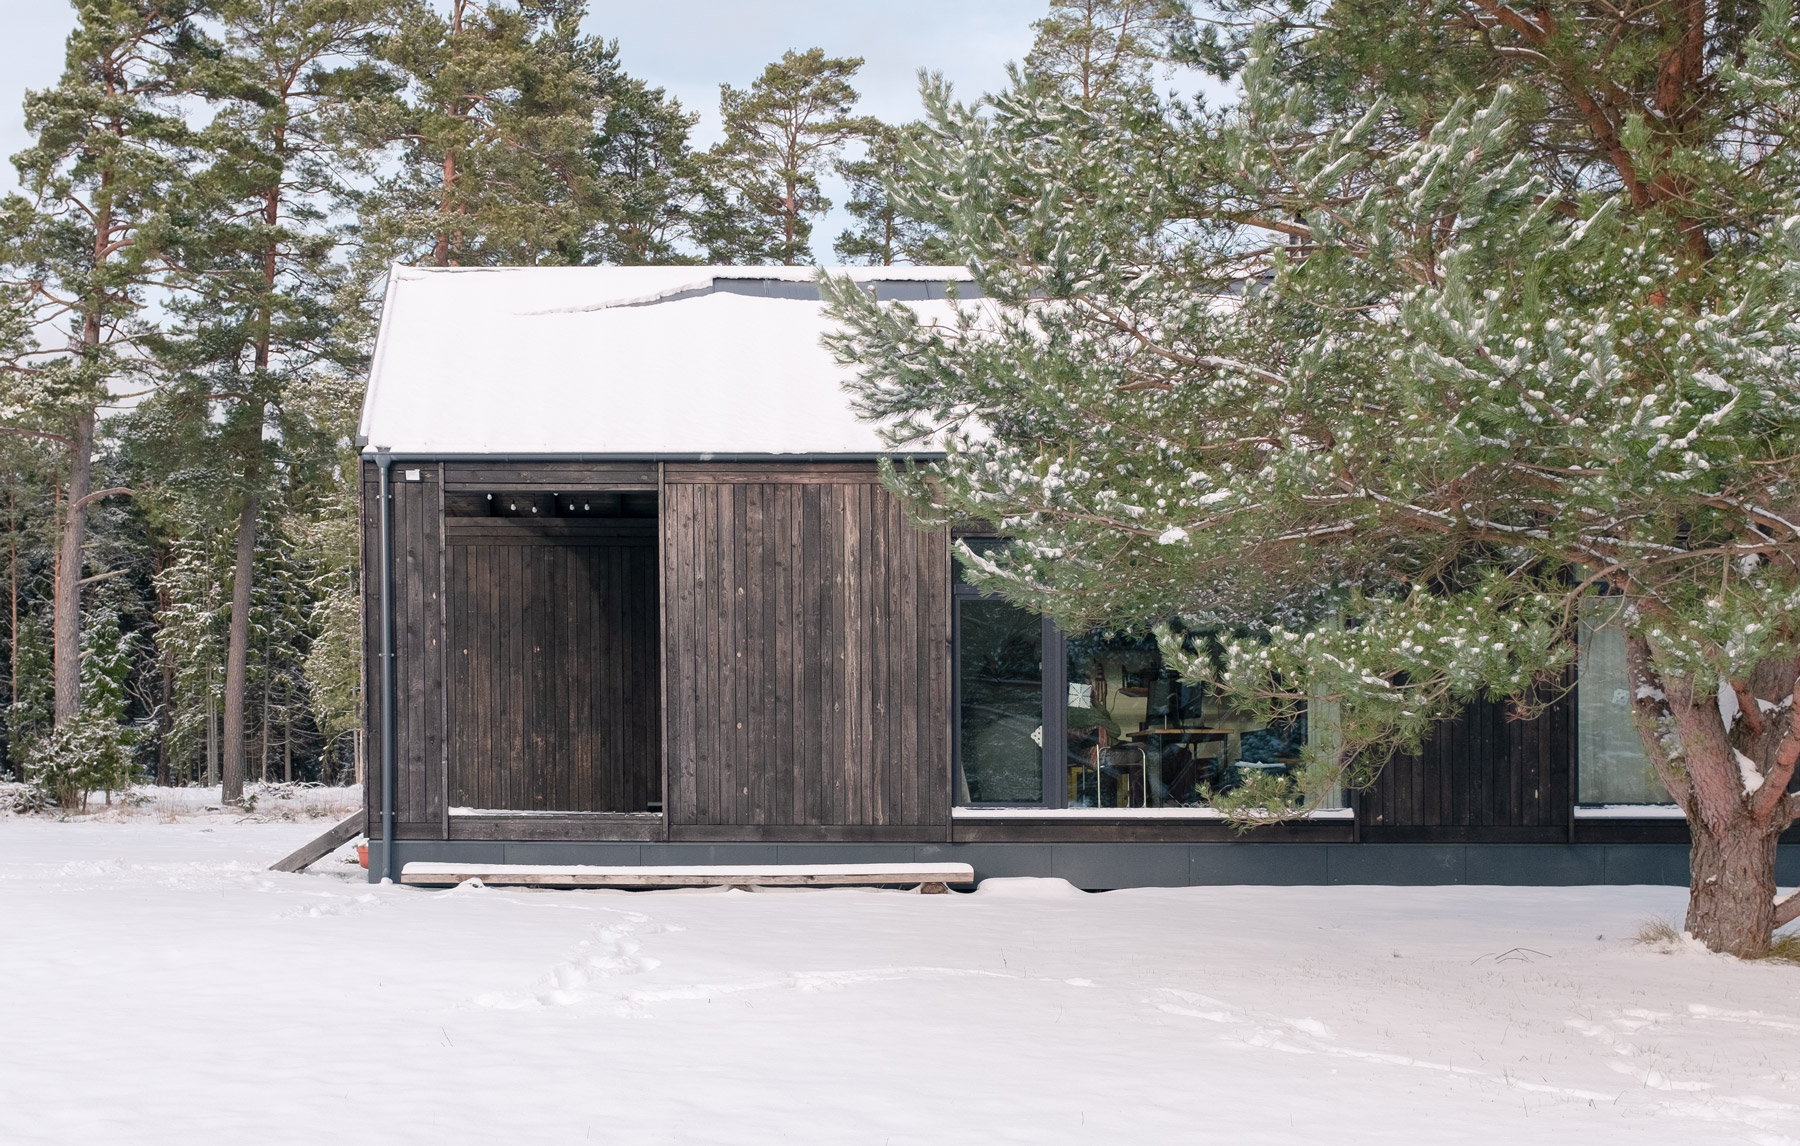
(12, 677)
(212, 736)
(1734, 819)
(68, 572)
(165, 710)
(237, 656)
(1731, 890)
(440, 250)
(165, 723)
(268, 687)
(790, 210)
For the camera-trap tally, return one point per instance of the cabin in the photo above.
(634, 596)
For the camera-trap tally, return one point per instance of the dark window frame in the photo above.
(1053, 709)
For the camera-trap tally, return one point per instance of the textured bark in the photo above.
(212, 738)
(68, 571)
(165, 710)
(1731, 891)
(165, 723)
(237, 656)
(263, 768)
(1788, 910)
(12, 676)
(1706, 757)
(440, 250)
(237, 651)
(1696, 753)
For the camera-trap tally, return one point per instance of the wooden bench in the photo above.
(927, 877)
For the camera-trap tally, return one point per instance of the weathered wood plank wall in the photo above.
(805, 642)
(1486, 776)
(418, 554)
(807, 655)
(553, 680)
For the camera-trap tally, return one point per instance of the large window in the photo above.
(1611, 766)
(1000, 680)
(1097, 720)
(1136, 736)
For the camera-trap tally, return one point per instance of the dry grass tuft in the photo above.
(1662, 934)
(1657, 932)
(1784, 949)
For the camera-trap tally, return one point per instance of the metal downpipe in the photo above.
(385, 461)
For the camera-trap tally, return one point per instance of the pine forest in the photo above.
(190, 273)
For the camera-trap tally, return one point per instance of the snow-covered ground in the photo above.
(158, 986)
(267, 802)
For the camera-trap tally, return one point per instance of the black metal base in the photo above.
(1106, 866)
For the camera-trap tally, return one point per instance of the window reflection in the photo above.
(1138, 736)
(1001, 676)
(1611, 766)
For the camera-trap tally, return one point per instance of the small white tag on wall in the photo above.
(411, 475)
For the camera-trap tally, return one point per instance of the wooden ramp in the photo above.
(312, 852)
(926, 876)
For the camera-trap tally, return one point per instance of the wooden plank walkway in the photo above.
(929, 876)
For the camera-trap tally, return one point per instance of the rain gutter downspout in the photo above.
(384, 459)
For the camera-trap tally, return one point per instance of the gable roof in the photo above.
(621, 361)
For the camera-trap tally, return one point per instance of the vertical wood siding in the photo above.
(1485, 775)
(418, 554)
(807, 655)
(553, 680)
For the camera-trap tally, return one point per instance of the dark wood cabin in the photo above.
(649, 603)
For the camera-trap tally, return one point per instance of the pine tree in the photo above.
(884, 233)
(1095, 50)
(731, 228)
(32, 711)
(262, 295)
(648, 174)
(1389, 370)
(495, 134)
(281, 632)
(192, 634)
(333, 658)
(79, 248)
(30, 468)
(782, 134)
(92, 752)
(106, 667)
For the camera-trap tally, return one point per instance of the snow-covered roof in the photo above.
(636, 361)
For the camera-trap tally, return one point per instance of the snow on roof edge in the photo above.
(395, 380)
(901, 272)
(381, 345)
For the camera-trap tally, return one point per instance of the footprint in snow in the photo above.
(335, 905)
(611, 951)
(1747, 1018)
(1656, 1079)
(1195, 1006)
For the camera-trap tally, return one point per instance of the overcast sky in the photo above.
(686, 46)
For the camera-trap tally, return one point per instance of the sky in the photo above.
(686, 46)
